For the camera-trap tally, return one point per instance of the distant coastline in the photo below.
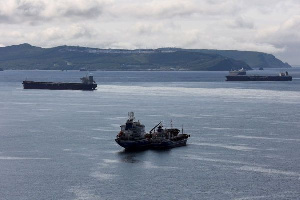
(28, 57)
(100, 70)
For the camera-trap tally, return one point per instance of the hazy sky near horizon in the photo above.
(271, 26)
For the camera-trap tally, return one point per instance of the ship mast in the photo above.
(131, 116)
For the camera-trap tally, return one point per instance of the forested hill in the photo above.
(252, 58)
(25, 56)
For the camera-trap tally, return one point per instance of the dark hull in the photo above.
(148, 144)
(168, 144)
(58, 86)
(259, 78)
(134, 144)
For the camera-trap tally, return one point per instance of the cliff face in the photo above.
(252, 58)
(25, 56)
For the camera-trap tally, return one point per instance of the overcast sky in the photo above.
(271, 26)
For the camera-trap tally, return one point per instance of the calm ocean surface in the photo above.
(244, 145)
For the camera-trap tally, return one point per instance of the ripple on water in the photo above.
(21, 158)
(268, 171)
(231, 147)
(267, 138)
(83, 193)
(150, 165)
(103, 176)
(201, 158)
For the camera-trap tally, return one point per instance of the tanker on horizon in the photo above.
(87, 83)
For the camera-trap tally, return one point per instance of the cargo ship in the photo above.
(235, 76)
(133, 136)
(87, 83)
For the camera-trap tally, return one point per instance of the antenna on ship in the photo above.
(131, 116)
(171, 123)
(182, 129)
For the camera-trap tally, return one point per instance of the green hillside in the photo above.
(252, 58)
(25, 56)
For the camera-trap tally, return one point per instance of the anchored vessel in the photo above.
(167, 138)
(243, 77)
(87, 83)
(133, 136)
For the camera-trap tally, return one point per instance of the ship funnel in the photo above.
(91, 79)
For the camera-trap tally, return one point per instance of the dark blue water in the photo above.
(245, 139)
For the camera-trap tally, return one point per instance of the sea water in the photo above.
(244, 144)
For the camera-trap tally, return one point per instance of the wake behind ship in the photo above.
(87, 83)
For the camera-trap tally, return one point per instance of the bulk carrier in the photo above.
(240, 75)
(87, 83)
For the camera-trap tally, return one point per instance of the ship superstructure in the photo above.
(237, 72)
(132, 134)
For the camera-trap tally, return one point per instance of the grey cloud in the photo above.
(149, 28)
(4, 18)
(285, 33)
(291, 54)
(82, 32)
(169, 9)
(39, 11)
(241, 22)
(85, 9)
(71, 32)
(87, 13)
(31, 9)
(154, 9)
(285, 36)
